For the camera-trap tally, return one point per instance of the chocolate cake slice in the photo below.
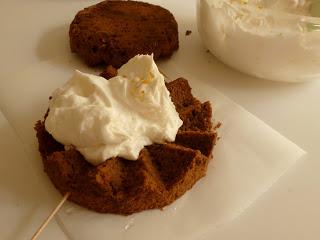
(112, 32)
(162, 173)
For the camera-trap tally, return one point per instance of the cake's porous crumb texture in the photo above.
(162, 173)
(112, 32)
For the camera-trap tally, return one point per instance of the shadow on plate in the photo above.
(54, 42)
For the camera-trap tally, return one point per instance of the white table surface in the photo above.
(36, 30)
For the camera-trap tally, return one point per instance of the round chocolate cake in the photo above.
(162, 173)
(112, 32)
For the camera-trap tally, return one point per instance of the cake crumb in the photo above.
(109, 72)
(188, 32)
(217, 125)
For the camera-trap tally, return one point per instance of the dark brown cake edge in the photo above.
(69, 172)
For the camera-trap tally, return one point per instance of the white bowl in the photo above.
(263, 42)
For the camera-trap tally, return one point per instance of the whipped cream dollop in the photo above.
(116, 117)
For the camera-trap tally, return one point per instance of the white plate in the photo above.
(249, 158)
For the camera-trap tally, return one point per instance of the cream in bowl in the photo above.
(275, 40)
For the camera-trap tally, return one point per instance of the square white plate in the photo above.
(248, 159)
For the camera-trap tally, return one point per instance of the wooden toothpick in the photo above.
(52, 214)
